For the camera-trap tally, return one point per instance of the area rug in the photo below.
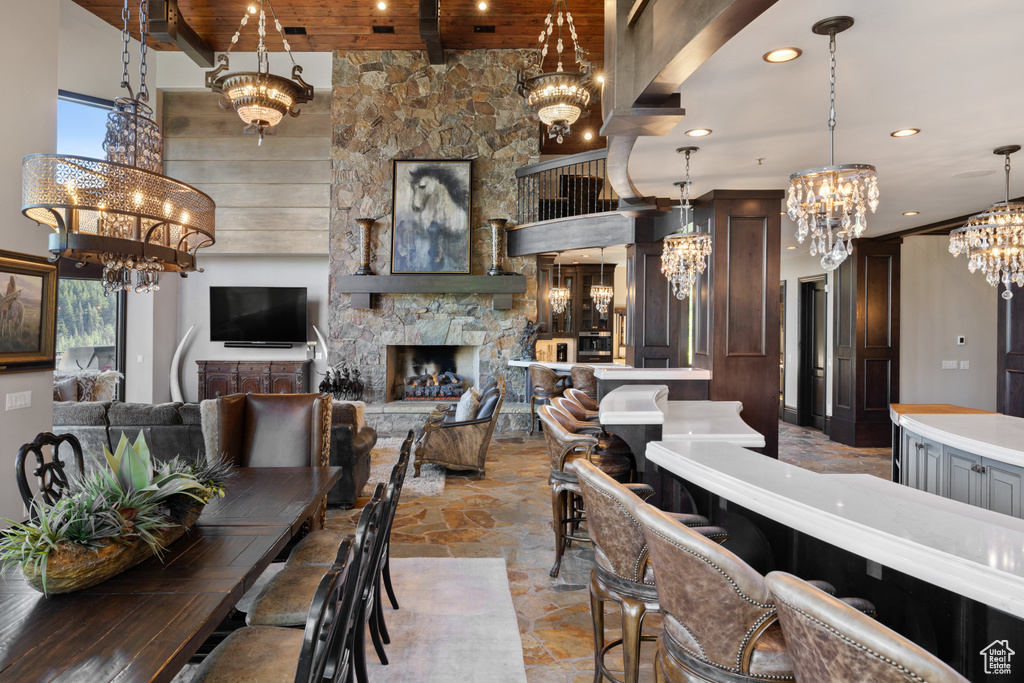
(456, 624)
(382, 460)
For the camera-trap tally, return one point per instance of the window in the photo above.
(90, 324)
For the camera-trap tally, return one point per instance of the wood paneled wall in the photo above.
(866, 346)
(1010, 355)
(273, 198)
(655, 337)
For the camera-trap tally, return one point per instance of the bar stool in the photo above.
(564, 449)
(583, 379)
(828, 640)
(622, 571)
(588, 404)
(545, 384)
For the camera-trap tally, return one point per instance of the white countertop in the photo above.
(648, 404)
(963, 549)
(999, 437)
(562, 367)
(650, 374)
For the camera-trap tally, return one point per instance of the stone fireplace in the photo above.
(431, 372)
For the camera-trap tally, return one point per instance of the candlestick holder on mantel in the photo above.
(364, 245)
(497, 242)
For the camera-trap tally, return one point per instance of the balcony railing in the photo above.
(574, 185)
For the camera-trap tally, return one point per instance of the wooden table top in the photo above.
(146, 623)
(935, 409)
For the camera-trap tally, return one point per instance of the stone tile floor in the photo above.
(508, 514)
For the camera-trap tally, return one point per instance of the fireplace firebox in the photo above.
(431, 372)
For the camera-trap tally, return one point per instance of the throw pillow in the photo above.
(65, 390)
(466, 409)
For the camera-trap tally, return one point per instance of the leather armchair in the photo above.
(583, 379)
(461, 445)
(828, 640)
(269, 430)
(351, 443)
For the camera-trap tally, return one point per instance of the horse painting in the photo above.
(431, 214)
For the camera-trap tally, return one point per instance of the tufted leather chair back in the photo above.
(618, 536)
(583, 380)
(543, 380)
(275, 430)
(830, 641)
(715, 604)
(560, 441)
(586, 402)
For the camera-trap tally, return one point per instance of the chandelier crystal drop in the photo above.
(993, 240)
(830, 204)
(685, 254)
(559, 97)
(120, 212)
(260, 97)
(559, 296)
(601, 294)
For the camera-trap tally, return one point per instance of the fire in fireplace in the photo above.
(431, 387)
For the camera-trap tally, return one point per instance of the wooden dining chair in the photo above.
(51, 477)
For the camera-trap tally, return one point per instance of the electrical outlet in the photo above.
(961, 340)
(949, 365)
(21, 399)
(965, 365)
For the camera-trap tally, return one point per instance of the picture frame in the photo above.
(28, 312)
(432, 207)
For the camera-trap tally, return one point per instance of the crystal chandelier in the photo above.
(121, 212)
(602, 294)
(260, 98)
(993, 240)
(560, 97)
(686, 251)
(830, 203)
(559, 296)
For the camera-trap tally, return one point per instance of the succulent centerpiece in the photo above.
(113, 517)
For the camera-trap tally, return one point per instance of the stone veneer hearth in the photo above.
(394, 105)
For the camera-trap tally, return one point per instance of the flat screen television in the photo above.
(258, 315)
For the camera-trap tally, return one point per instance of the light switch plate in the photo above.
(949, 365)
(965, 365)
(20, 399)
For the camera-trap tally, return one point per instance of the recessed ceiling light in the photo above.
(482, 6)
(699, 132)
(600, 78)
(790, 247)
(905, 132)
(910, 213)
(252, 9)
(783, 54)
(382, 5)
(588, 135)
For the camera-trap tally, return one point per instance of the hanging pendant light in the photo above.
(601, 294)
(559, 296)
(560, 97)
(686, 251)
(830, 203)
(121, 212)
(260, 97)
(993, 240)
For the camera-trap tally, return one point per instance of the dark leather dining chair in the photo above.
(53, 477)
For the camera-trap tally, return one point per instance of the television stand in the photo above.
(223, 377)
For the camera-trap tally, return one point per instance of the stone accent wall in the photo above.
(394, 105)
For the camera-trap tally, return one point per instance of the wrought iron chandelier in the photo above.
(560, 97)
(559, 296)
(830, 203)
(993, 240)
(260, 97)
(121, 212)
(686, 251)
(601, 294)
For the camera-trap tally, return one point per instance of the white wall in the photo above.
(940, 299)
(242, 271)
(90, 55)
(795, 265)
(29, 127)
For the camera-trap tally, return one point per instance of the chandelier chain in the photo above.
(832, 97)
(143, 48)
(280, 30)
(1007, 167)
(125, 56)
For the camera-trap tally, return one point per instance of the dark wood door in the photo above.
(1010, 355)
(813, 358)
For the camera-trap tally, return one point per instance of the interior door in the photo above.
(813, 356)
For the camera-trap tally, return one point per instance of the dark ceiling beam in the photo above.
(167, 24)
(430, 30)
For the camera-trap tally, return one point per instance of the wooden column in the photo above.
(655, 320)
(1010, 355)
(736, 305)
(866, 344)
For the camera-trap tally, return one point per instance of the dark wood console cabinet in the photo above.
(223, 377)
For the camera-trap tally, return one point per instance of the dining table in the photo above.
(146, 623)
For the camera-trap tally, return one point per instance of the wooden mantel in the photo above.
(363, 287)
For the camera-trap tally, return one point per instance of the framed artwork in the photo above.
(432, 204)
(28, 310)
